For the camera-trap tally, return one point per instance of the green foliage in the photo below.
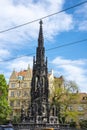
(83, 124)
(4, 108)
(63, 97)
(16, 119)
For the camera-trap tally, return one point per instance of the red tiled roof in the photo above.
(21, 73)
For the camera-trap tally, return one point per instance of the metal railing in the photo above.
(44, 126)
(33, 126)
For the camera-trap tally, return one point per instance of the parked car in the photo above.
(6, 127)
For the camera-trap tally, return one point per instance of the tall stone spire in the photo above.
(40, 49)
(40, 38)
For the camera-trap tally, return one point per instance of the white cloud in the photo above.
(73, 70)
(21, 63)
(14, 13)
(83, 25)
(4, 53)
(81, 18)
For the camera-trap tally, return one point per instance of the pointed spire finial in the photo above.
(41, 22)
(40, 38)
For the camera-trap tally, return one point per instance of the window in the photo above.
(18, 103)
(12, 85)
(81, 118)
(25, 93)
(12, 94)
(20, 77)
(80, 108)
(84, 98)
(25, 84)
(18, 93)
(11, 103)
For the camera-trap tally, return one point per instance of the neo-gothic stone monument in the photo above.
(39, 110)
(39, 86)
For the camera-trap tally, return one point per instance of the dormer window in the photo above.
(20, 77)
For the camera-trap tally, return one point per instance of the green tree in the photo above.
(4, 107)
(63, 97)
(16, 119)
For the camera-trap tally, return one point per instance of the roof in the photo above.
(21, 73)
(59, 78)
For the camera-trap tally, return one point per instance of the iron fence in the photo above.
(43, 126)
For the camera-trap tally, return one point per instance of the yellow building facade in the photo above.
(19, 91)
(80, 107)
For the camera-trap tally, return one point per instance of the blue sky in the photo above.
(63, 28)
